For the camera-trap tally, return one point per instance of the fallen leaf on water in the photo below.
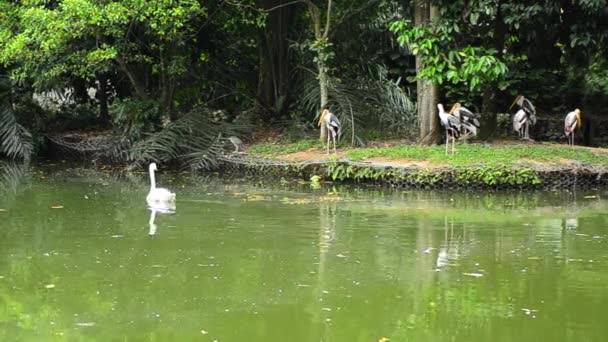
(384, 339)
(86, 324)
(50, 286)
(56, 207)
(3, 210)
(476, 275)
(204, 332)
(590, 196)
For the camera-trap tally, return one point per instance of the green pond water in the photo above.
(81, 260)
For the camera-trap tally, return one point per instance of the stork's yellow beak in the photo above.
(514, 102)
(325, 111)
(454, 108)
(579, 118)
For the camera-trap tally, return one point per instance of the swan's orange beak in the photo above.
(325, 111)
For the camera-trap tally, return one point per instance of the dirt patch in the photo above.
(404, 162)
(312, 154)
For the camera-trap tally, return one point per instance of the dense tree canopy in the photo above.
(277, 62)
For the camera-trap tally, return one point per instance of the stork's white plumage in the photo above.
(452, 127)
(525, 116)
(520, 120)
(332, 126)
(572, 121)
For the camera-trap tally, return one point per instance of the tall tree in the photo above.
(274, 65)
(427, 91)
(322, 48)
(147, 41)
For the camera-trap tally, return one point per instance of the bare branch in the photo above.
(284, 5)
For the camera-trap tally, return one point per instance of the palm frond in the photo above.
(16, 141)
(371, 100)
(193, 140)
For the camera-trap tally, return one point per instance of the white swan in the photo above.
(158, 196)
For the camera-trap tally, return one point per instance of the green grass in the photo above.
(278, 149)
(467, 155)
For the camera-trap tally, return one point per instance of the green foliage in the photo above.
(194, 140)
(85, 37)
(497, 175)
(16, 141)
(278, 149)
(469, 155)
(596, 77)
(486, 175)
(371, 99)
(136, 116)
(444, 61)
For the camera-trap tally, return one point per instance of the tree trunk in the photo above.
(427, 92)
(138, 86)
(273, 47)
(489, 106)
(321, 36)
(488, 114)
(324, 95)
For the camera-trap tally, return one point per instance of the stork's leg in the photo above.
(572, 138)
(453, 143)
(334, 138)
(447, 140)
(328, 133)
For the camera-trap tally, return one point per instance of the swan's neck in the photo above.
(152, 180)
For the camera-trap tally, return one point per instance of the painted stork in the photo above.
(468, 120)
(571, 123)
(452, 127)
(524, 118)
(332, 127)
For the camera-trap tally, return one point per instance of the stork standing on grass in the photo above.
(469, 122)
(524, 118)
(452, 127)
(332, 127)
(571, 123)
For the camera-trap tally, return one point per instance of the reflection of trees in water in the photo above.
(326, 238)
(12, 175)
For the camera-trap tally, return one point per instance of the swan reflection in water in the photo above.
(161, 208)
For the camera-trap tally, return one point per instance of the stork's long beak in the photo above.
(322, 116)
(454, 107)
(579, 119)
(514, 102)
